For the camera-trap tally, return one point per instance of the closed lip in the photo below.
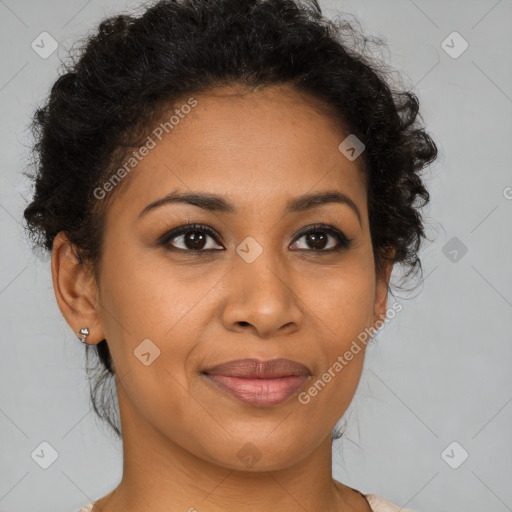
(259, 369)
(259, 383)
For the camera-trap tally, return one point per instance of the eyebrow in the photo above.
(216, 203)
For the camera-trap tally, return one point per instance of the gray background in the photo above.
(439, 372)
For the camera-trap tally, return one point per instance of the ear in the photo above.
(75, 289)
(381, 290)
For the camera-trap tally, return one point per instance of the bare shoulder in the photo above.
(86, 508)
(358, 501)
(354, 499)
(379, 504)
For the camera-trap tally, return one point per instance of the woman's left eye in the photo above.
(317, 237)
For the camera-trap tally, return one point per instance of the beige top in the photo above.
(377, 504)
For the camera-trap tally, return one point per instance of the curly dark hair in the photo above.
(124, 77)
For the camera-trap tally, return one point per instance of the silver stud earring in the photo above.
(83, 333)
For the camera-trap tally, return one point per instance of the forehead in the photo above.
(255, 148)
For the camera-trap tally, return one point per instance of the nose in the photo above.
(260, 296)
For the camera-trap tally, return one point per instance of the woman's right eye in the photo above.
(191, 238)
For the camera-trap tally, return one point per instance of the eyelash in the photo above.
(164, 240)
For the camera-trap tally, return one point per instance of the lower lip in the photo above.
(259, 392)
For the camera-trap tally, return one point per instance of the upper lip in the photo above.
(258, 369)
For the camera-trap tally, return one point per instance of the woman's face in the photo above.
(253, 288)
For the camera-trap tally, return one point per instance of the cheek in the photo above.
(139, 304)
(342, 300)
(153, 307)
(147, 317)
(145, 294)
(342, 307)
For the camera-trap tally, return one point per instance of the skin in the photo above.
(181, 435)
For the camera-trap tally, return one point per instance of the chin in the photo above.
(260, 454)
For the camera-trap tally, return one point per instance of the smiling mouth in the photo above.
(259, 383)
